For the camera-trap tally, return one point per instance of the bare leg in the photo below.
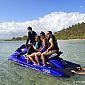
(43, 59)
(46, 53)
(28, 59)
(83, 68)
(31, 57)
(37, 55)
(83, 73)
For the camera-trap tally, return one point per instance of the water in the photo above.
(13, 74)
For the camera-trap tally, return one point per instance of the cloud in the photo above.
(55, 21)
(81, 6)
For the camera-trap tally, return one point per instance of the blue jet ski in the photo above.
(56, 65)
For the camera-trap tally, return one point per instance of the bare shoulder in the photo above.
(51, 40)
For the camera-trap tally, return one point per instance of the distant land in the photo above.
(76, 31)
(17, 38)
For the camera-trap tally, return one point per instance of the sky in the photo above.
(23, 10)
(16, 15)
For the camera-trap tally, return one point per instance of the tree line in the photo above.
(76, 31)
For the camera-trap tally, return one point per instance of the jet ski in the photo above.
(56, 65)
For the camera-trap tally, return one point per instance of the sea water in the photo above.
(14, 74)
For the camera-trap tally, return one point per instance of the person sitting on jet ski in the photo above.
(42, 49)
(33, 48)
(52, 48)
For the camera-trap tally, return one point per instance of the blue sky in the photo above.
(42, 15)
(24, 10)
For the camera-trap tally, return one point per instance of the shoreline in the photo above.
(57, 39)
(76, 39)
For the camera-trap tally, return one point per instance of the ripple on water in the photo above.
(13, 74)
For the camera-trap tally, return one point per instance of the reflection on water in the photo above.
(13, 74)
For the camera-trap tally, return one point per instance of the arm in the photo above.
(44, 44)
(52, 44)
(27, 41)
(34, 46)
(28, 38)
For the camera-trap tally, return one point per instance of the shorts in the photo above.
(49, 52)
(43, 50)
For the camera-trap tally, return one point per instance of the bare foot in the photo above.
(73, 71)
(79, 68)
(44, 65)
(35, 64)
(38, 64)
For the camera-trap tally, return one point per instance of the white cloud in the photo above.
(81, 6)
(54, 22)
